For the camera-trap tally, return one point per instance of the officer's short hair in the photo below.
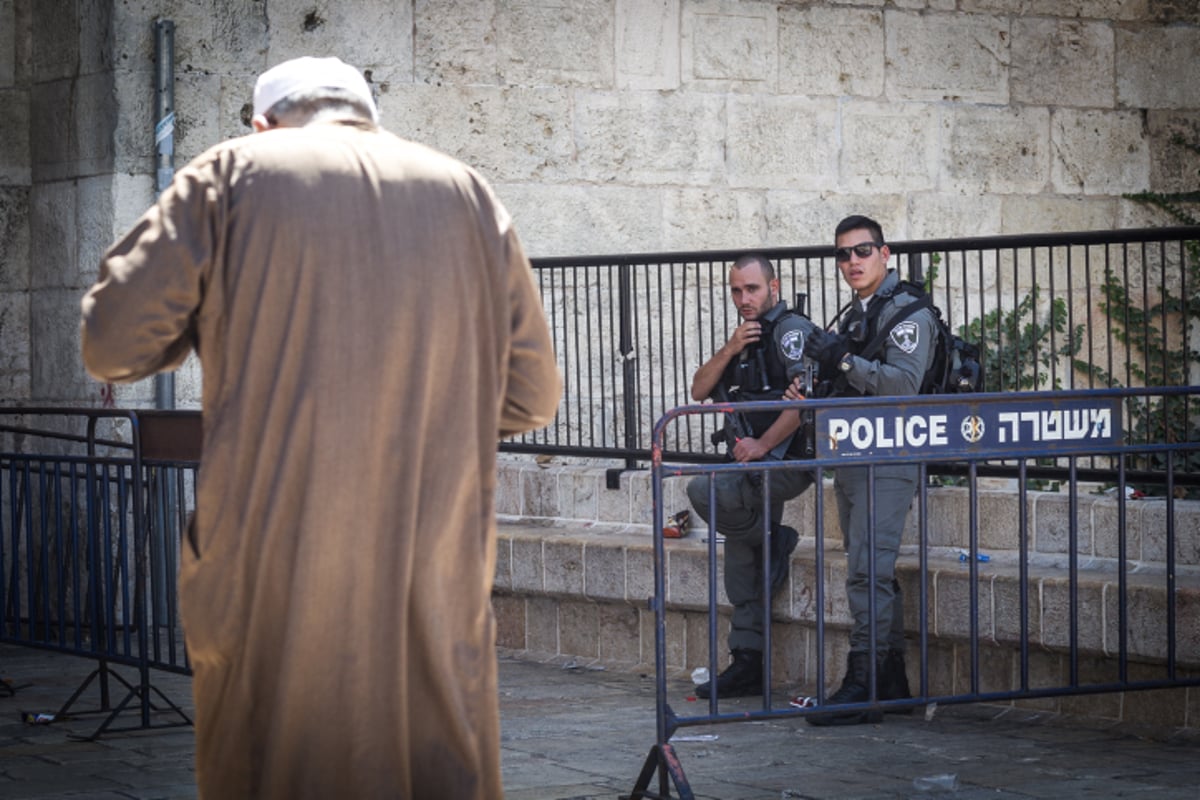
(762, 261)
(858, 221)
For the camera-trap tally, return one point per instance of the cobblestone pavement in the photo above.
(576, 733)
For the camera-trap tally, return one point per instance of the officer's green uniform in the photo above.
(897, 369)
(739, 495)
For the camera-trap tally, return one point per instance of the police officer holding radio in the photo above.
(895, 369)
(757, 362)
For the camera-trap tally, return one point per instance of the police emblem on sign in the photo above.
(907, 335)
(972, 429)
(792, 344)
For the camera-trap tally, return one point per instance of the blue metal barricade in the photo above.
(89, 539)
(1014, 434)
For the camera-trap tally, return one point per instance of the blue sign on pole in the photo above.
(1067, 426)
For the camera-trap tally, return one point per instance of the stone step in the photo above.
(579, 593)
(579, 494)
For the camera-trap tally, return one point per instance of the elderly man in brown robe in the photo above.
(368, 327)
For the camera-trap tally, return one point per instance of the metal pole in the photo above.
(164, 150)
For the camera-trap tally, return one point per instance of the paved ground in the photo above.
(575, 733)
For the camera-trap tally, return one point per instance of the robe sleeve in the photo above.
(533, 385)
(140, 316)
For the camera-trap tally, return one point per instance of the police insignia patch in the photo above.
(906, 335)
(792, 344)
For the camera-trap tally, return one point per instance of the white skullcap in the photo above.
(305, 74)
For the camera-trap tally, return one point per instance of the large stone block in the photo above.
(54, 235)
(944, 216)
(1099, 152)
(563, 570)
(730, 46)
(1151, 67)
(1052, 524)
(834, 51)
(687, 577)
(528, 566)
(200, 117)
(543, 43)
(1183, 519)
(805, 217)
(1013, 616)
(454, 42)
(8, 44)
(50, 109)
(1089, 614)
(14, 238)
(1056, 213)
(502, 577)
(56, 39)
(649, 137)
(714, 219)
(639, 574)
(14, 345)
(1100, 9)
(782, 142)
(996, 150)
(520, 134)
(94, 221)
(1062, 62)
(961, 57)
(368, 35)
(889, 147)
(579, 629)
(1174, 166)
(539, 492)
(618, 627)
(542, 625)
(57, 374)
(647, 44)
(510, 621)
(14, 138)
(952, 594)
(574, 220)
(604, 575)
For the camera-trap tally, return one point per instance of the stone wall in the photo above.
(608, 125)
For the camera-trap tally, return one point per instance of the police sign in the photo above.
(1066, 426)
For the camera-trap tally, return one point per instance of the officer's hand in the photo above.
(748, 449)
(827, 350)
(795, 389)
(745, 335)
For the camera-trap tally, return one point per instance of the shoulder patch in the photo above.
(792, 344)
(907, 335)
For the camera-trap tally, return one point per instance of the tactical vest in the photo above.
(759, 372)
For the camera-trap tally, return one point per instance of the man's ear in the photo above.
(259, 123)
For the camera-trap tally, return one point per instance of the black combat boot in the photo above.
(893, 681)
(854, 689)
(742, 678)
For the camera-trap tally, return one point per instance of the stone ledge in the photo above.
(614, 564)
(578, 594)
(564, 493)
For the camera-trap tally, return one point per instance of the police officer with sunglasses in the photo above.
(896, 369)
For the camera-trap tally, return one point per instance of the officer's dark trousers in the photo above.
(895, 488)
(740, 521)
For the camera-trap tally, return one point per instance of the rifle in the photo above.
(736, 428)
(808, 374)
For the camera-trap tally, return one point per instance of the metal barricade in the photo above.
(94, 504)
(1016, 434)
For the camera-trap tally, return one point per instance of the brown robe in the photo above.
(368, 326)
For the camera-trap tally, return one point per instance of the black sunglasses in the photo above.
(842, 254)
